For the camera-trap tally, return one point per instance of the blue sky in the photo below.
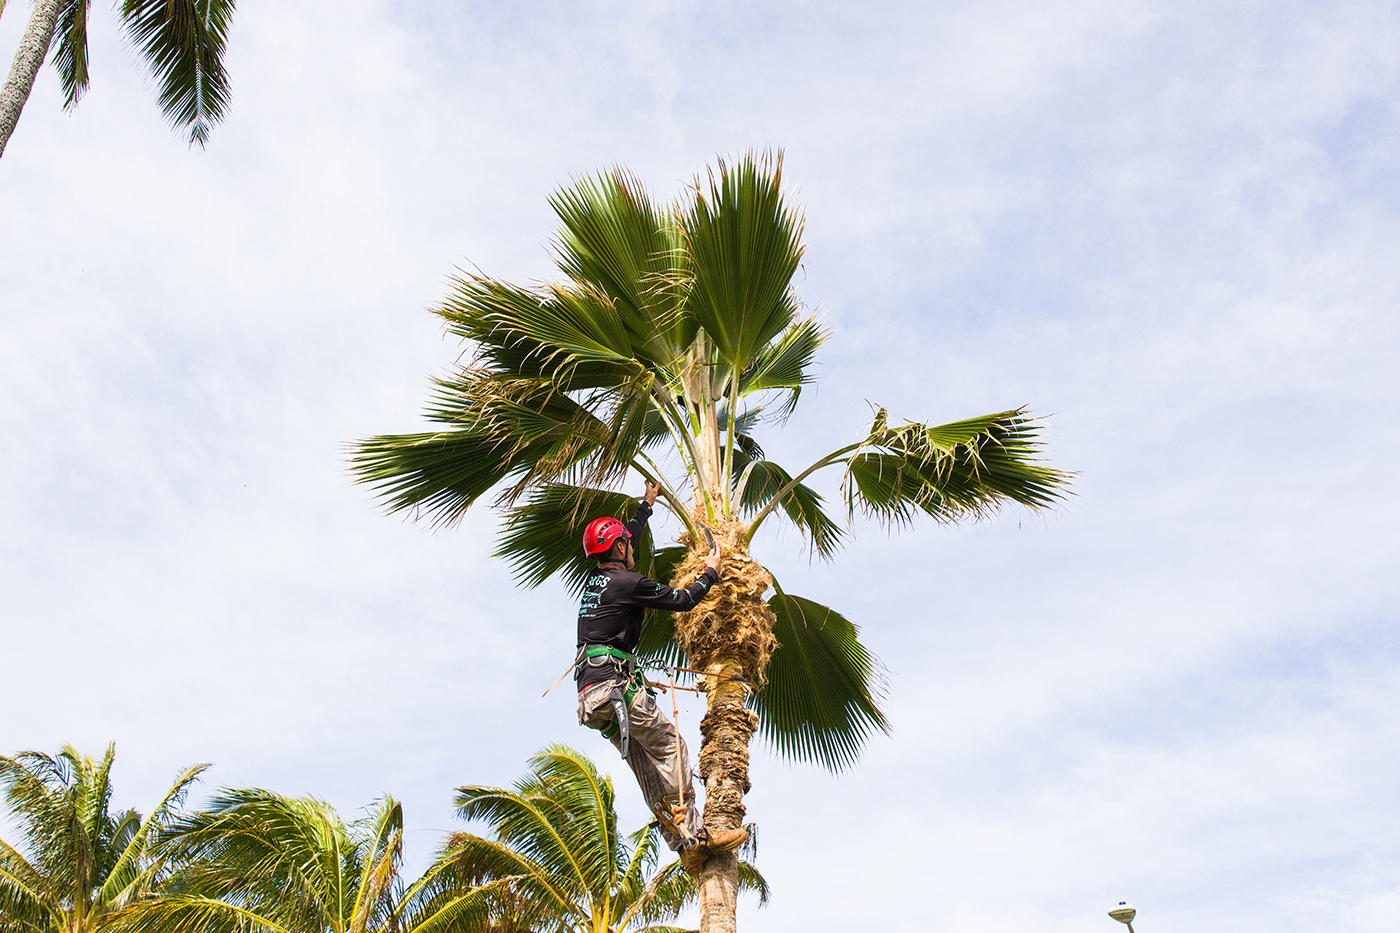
(1170, 228)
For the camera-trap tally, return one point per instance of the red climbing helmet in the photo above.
(600, 535)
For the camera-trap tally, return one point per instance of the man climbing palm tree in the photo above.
(612, 695)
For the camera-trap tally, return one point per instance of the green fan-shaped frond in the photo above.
(543, 535)
(965, 468)
(614, 241)
(744, 246)
(824, 688)
(183, 41)
(785, 363)
(441, 474)
(672, 339)
(579, 326)
(540, 430)
(488, 313)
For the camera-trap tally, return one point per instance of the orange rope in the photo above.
(678, 810)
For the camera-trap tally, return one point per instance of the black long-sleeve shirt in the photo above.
(615, 600)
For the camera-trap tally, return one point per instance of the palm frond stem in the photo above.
(686, 445)
(733, 430)
(833, 457)
(742, 486)
(672, 497)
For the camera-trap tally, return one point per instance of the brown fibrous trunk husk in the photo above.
(733, 626)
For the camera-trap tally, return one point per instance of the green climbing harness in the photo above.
(630, 682)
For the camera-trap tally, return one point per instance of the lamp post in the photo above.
(1124, 913)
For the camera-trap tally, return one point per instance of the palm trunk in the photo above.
(33, 48)
(730, 635)
(724, 767)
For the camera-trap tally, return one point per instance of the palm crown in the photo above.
(258, 860)
(676, 336)
(85, 864)
(559, 860)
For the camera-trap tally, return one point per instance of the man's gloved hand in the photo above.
(652, 490)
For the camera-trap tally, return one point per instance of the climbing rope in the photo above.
(678, 809)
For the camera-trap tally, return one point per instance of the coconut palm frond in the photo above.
(744, 244)
(380, 837)
(34, 785)
(479, 908)
(70, 48)
(750, 879)
(963, 469)
(61, 809)
(290, 860)
(27, 898)
(824, 688)
(634, 870)
(131, 864)
(183, 41)
(180, 912)
(527, 827)
(559, 845)
(257, 860)
(86, 861)
(670, 891)
(587, 819)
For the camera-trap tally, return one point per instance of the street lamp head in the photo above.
(1124, 912)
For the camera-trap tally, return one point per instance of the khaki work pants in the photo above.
(656, 754)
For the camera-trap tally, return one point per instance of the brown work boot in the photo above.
(725, 840)
(693, 859)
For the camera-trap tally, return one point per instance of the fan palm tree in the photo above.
(254, 860)
(182, 41)
(674, 336)
(567, 867)
(81, 865)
